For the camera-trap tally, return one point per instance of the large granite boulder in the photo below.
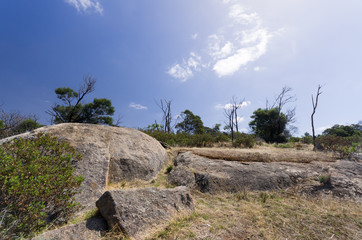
(141, 212)
(213, 175)
(110, 154)
(90, 229)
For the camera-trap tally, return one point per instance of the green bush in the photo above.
(243, 139)
(345, 146)
(37, 185)
(325, 179)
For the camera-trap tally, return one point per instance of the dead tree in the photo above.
(165, 106)
(231, 113)
(315, 103)
(280, 101)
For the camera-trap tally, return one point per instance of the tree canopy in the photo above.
(72, 108)
(269, 124)
(190, 123)
(344, 130)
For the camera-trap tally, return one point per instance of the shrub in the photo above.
(169, 169)
(37, 185)
(325, 179)
(345, 146)
(243, 139)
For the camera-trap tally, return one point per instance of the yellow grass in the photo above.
(261, 154)
(267, 215)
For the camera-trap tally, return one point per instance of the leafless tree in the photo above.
(282, 99)
(231, 113)
(314, 104)
(165, 106)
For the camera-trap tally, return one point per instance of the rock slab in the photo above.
(212, 175)
(141, 212)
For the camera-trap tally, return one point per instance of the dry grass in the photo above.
(262, 154)
(258, 215)
(267, 215)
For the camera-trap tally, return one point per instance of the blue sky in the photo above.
(197, 53)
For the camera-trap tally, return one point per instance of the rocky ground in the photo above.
(134, 186)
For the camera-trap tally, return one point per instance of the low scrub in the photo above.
(346, 147)
(37, 185)
(244, 140)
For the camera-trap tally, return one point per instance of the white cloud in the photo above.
(257, 69)
(137, 106)
(257, 41)
(240, 119)
(185, 70)
(194, 36)
(241, 41)
(238, 13)
(85, 5)
(229, 105)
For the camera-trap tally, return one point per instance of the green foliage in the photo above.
(284, 145)
(27, 126)
(325, 179)
(243, 139)
(73, 110)
(37, 184)
(185, 139)
(269, 124)
(345, 140)
(190, 123)
(307, 138)
(344, 131)
(96, 112)
(169, 169)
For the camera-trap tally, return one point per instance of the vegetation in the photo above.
(73, 110)
(269, 124)
(345, 140)
(37, 185)
(13, 123)
(190, 123)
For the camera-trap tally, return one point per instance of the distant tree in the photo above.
(344, 131)
(269, 124)
(165, 106)
(12, 123)
(231, 113)
(315, 103)
(190, 123)
(73, 109)
(272, 123)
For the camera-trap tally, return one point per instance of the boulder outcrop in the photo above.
(212, 175)
(110, 154)
(141, 212)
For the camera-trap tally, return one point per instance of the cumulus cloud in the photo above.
(241, 41)
(229, 105)
(86, 5)
(185, 70)
(137, 106)
(248, 45)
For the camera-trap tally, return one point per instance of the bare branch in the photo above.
(315, 104)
